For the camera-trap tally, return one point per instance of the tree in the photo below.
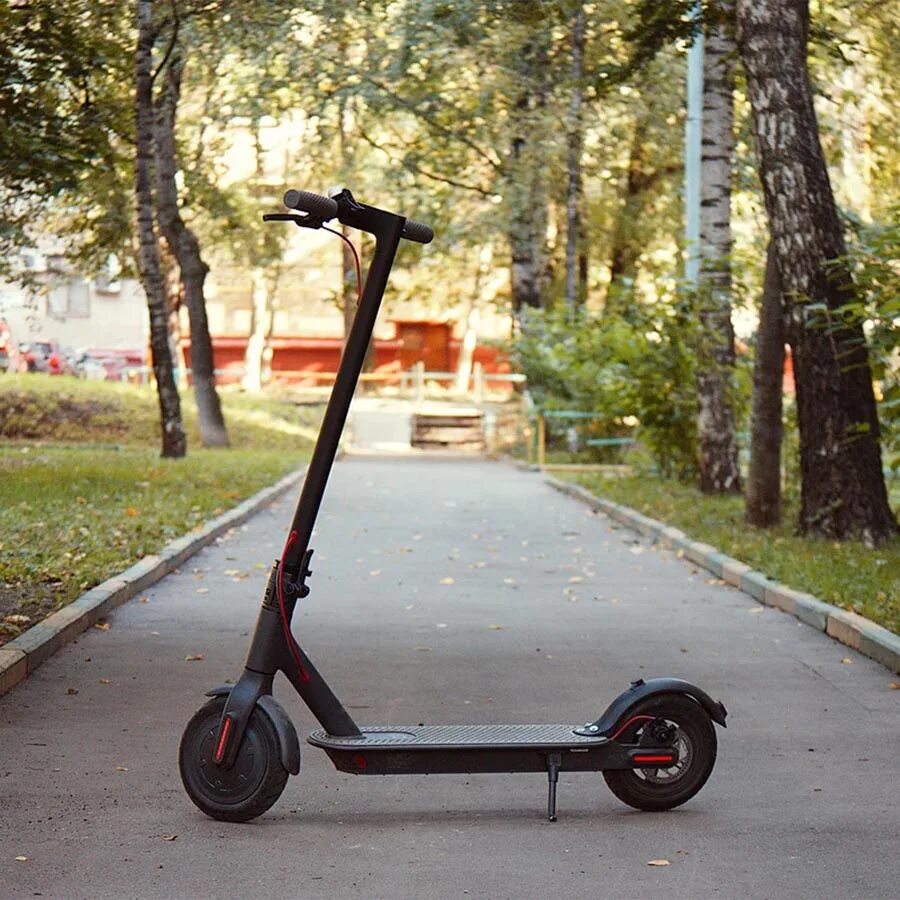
(185, 247)
(763, 507)
(576, 258)
(174, 440)
(62, 67)
(719, 472)
(843, 492)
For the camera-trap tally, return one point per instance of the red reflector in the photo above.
(360, 762)
(641, 760)
(223, 739)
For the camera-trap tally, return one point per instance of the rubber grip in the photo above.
(314, 204)
(416, 231)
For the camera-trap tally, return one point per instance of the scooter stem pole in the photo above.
(387, 229)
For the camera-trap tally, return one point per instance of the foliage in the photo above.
(642, 366)
(874, 257)
(61, 108)
(847, 573)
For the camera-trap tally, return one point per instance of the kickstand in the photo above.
(554, 761)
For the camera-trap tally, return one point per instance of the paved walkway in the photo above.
(550, 613)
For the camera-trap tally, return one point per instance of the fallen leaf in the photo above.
(168, 837)
(105, 681)
(196, 657)
(659, 862)
(894, 686)
(447, 581)
(16, 620)
(71, 691)
(131, 511)
(144, 600)
(847, 661)
(121, 769)
(102, 626)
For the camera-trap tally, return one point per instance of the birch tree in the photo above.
(185, 247)
(843, 492)
(719, 471)
(174, 440)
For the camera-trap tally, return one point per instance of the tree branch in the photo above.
(414, 167)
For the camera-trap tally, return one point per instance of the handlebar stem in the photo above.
(387, 229)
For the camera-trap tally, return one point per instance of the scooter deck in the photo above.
(449, 737)
(424, 749)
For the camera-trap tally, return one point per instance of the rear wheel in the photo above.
(251, 785)
(690, 732)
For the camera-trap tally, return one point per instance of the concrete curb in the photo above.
(847, 627)
(21, 656)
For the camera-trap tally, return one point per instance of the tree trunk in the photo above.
(843, 493)
(256, 371)
(764, 478)
(526, 185)
(174, 440)
(186, 249)
(717, 445)
(575, 288)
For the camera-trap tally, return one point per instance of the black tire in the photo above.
(655, 790)
(250, 786)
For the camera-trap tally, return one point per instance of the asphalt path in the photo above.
(454, 591)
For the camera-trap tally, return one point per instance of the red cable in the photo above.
(285, 625)
(349, 243)
(632, 719)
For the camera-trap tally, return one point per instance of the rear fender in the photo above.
(640, 690)
(288, 742)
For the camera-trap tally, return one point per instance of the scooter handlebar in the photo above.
(326, 208)
(313, 204)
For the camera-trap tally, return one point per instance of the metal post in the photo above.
(542, 440)
(418, 381)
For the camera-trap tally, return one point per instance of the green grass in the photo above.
(84, 492)
(848, 574)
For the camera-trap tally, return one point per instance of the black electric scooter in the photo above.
(655, 743)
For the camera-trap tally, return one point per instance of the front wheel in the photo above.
(694, 739)
(250, 786)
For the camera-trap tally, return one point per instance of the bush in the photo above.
(642, 368)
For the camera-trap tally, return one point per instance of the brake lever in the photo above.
(306, 221)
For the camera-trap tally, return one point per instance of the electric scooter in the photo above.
(655, 743)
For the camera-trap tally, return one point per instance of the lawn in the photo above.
(848, 574)
(84, 492)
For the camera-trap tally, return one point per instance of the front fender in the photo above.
(288, 742)
(640, 690)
